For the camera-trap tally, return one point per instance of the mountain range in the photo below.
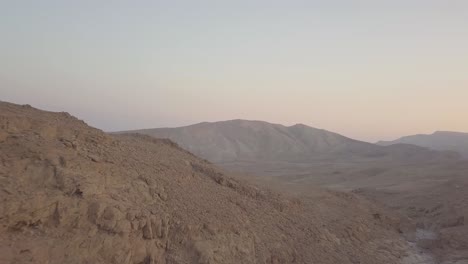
(258, 141)
(73, 194)
(439, 140)
(424, 183)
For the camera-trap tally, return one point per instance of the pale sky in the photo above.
(369, 70)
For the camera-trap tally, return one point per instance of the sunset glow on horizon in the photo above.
(370, 70)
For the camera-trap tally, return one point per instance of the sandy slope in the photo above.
(73, 194)
(437, 206)
(432, 196)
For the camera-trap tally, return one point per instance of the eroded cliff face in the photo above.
(73, 194)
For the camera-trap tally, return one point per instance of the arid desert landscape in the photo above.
(74, 194)
(423, 186)
(234, 132)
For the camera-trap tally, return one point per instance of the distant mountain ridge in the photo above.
(439, 140)
(244, 140)
(71, 193)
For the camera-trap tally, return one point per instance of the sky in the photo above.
(369, 70)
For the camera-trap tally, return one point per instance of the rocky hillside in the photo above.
(440, 140)
(73, 194)
(257, 141)
(436, 203)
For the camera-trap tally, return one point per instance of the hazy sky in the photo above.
(366, 69)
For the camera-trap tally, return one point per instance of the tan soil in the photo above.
(72, 194)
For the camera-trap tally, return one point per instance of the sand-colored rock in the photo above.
(72, 194)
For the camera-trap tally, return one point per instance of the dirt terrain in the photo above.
(426, 187)
(73, 194)
(438, 208)
(432, 197)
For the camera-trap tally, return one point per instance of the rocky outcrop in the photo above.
(73, 194)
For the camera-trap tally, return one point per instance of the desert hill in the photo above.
(423, 184)
(439, 140)
(257, 141)
(72, 194)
